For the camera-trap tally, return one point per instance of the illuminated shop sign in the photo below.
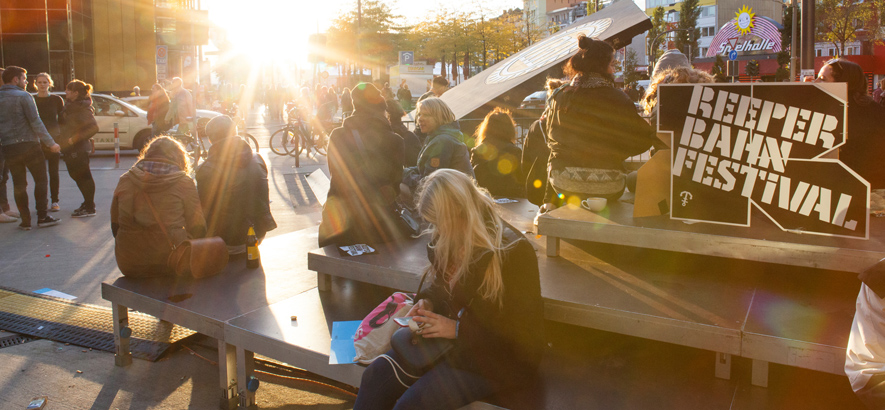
(747, 34)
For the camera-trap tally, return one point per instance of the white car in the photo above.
(203, 116)
(131, 122)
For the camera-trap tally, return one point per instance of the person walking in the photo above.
(232, 185)
(7, 215)
(404, 96)
(78, 128)
(157, 110)
(21, 133)
(182, 110)
(50, 107)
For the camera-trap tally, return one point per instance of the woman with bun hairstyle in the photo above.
(865, 143)
(78, 128)
(482, 291)
(592, 127)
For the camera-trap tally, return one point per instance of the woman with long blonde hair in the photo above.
(483, 293)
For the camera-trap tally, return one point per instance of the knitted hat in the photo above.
(670, 59)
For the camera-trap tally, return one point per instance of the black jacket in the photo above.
(535, 154)
(78, 127)
(496, 165)
(232, 184)
(411, 143)
(591, 124)
(864, 147)
(365, 167)
(503, 345)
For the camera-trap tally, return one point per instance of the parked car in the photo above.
(535, 101)
(203, 116)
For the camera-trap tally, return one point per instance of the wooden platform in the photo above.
(762, 242)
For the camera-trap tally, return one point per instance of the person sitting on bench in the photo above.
(157, 188)
(232, 184)
(484, 295)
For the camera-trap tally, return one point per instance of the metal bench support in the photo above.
(552, 246)
(227, 368)
(324, 282)
(723, 365)
(245, 371)
(122, 332)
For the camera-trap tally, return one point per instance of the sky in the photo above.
(279, 28)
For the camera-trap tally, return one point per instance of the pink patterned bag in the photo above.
(372, 338)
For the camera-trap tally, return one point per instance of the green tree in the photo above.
(376, 41)
(840, 21)
(630, 64)
(689, 11)
(752, 68)
(658, 26)
(718, 66)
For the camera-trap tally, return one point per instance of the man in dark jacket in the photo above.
(365, 167)
(233, 189)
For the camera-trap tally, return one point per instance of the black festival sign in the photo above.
(769, 146)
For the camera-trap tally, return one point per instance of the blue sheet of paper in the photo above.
(342, 351)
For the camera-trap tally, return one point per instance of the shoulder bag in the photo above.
(199, 258)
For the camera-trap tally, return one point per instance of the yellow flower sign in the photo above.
(744, 20)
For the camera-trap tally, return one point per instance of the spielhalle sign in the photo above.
(769, 146)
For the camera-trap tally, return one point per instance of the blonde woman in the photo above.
(443, 145)
(484, 294)
(51, 109)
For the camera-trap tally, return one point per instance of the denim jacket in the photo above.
(19, 121)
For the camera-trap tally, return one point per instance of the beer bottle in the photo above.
(253, 258)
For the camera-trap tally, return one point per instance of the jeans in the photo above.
(22, 158)
(4, 176)
(52, 159)
(443, 387)
(78, 168)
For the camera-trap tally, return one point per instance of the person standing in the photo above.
(878, 93)
(7, 215)
(21, 133)
(405, 97)
(50, 108)
(157, 110)
(232, 185)
(79, 126)
(346, 103)
(438, 87)
(182, 110)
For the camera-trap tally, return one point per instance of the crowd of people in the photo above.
(482, 278)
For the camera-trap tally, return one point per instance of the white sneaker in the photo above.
(13, 213)
(7, 219)
(54, 207)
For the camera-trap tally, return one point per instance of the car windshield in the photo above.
(538, 95)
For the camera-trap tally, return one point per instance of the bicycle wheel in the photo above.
(250, 140)
(278, 141)
(297, 143)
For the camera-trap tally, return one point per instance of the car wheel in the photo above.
(141, 139)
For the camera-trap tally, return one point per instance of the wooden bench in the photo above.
(205, 305)
(801, 312)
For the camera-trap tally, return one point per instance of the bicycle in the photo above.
(295, 137)
(196, 148)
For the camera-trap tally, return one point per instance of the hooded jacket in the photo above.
(232, 184)
(443, 149)
(79, 126)
(365, 167)
(141, 246)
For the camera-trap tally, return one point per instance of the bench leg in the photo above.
(324, 282)
(122, 332)
(227, 369)
(723, 365)
(245, 372)
(760, 373)
(552, 246)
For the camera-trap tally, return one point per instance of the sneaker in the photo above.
(54, 207)
(13, 214)
(46, 221)
(6, 218)
(82, 212)
(24, 226)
